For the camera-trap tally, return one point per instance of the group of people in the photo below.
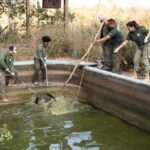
(7, 70)
(113, 40)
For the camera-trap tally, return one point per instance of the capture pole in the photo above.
(45, 67)
(84, 56)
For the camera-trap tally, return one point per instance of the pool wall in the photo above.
(124, 97)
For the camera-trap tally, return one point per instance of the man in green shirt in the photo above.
(7, 70)
(111, 40)
(40, 60)
(105, 50)
(141, 37)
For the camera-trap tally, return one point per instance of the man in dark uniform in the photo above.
(110, 41)
(103, 32)
(141, 37)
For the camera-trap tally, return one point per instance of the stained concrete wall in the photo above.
(58, 70)
(126, 98)
(121, 96)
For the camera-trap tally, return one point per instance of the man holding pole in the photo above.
(110, 40)
(40, 67)
(102, 33)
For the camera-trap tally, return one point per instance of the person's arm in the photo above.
(145, 32)
(44, 56)
(110, 35)
(121, 46)
(147, 37)
(38, 52)
(3, 62)
(10, 65)
(101, 40)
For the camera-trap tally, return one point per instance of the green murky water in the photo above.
(30, 127)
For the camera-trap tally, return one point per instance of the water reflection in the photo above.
(32, 147)
(32, 128)
(77, 141)
(68, 124)
(55, 147)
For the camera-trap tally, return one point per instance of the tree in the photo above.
(12, 8)
(28, 18)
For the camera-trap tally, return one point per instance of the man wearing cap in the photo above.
(113, 38)
(40, 60)
(105, 45)
(6, 70)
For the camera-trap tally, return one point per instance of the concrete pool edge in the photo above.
(121, 96)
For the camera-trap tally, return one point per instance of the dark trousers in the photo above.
(4, 81)
(108, 58)
(2, 84)
(8, 77)
(117, 62)
(111, 60)
(39, 71)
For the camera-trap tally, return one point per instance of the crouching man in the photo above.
(7, 71)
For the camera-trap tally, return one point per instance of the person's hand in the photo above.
(45, 58)
(146, 39)
(116, 50)
(12, 74)
(95, 42)
(7, 70)
(45, 64)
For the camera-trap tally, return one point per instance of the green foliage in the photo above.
(58, 16)
(40, 13)
(13, 9)
(49, 16)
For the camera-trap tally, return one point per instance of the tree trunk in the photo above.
(28, 18)
(66, 17)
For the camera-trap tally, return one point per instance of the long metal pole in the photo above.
(45, 67)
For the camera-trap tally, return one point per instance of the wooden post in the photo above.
(66, 14)
(28, 18)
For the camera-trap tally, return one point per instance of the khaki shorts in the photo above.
(142, 55)
(2, 84)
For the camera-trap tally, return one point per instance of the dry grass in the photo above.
(80, 32)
